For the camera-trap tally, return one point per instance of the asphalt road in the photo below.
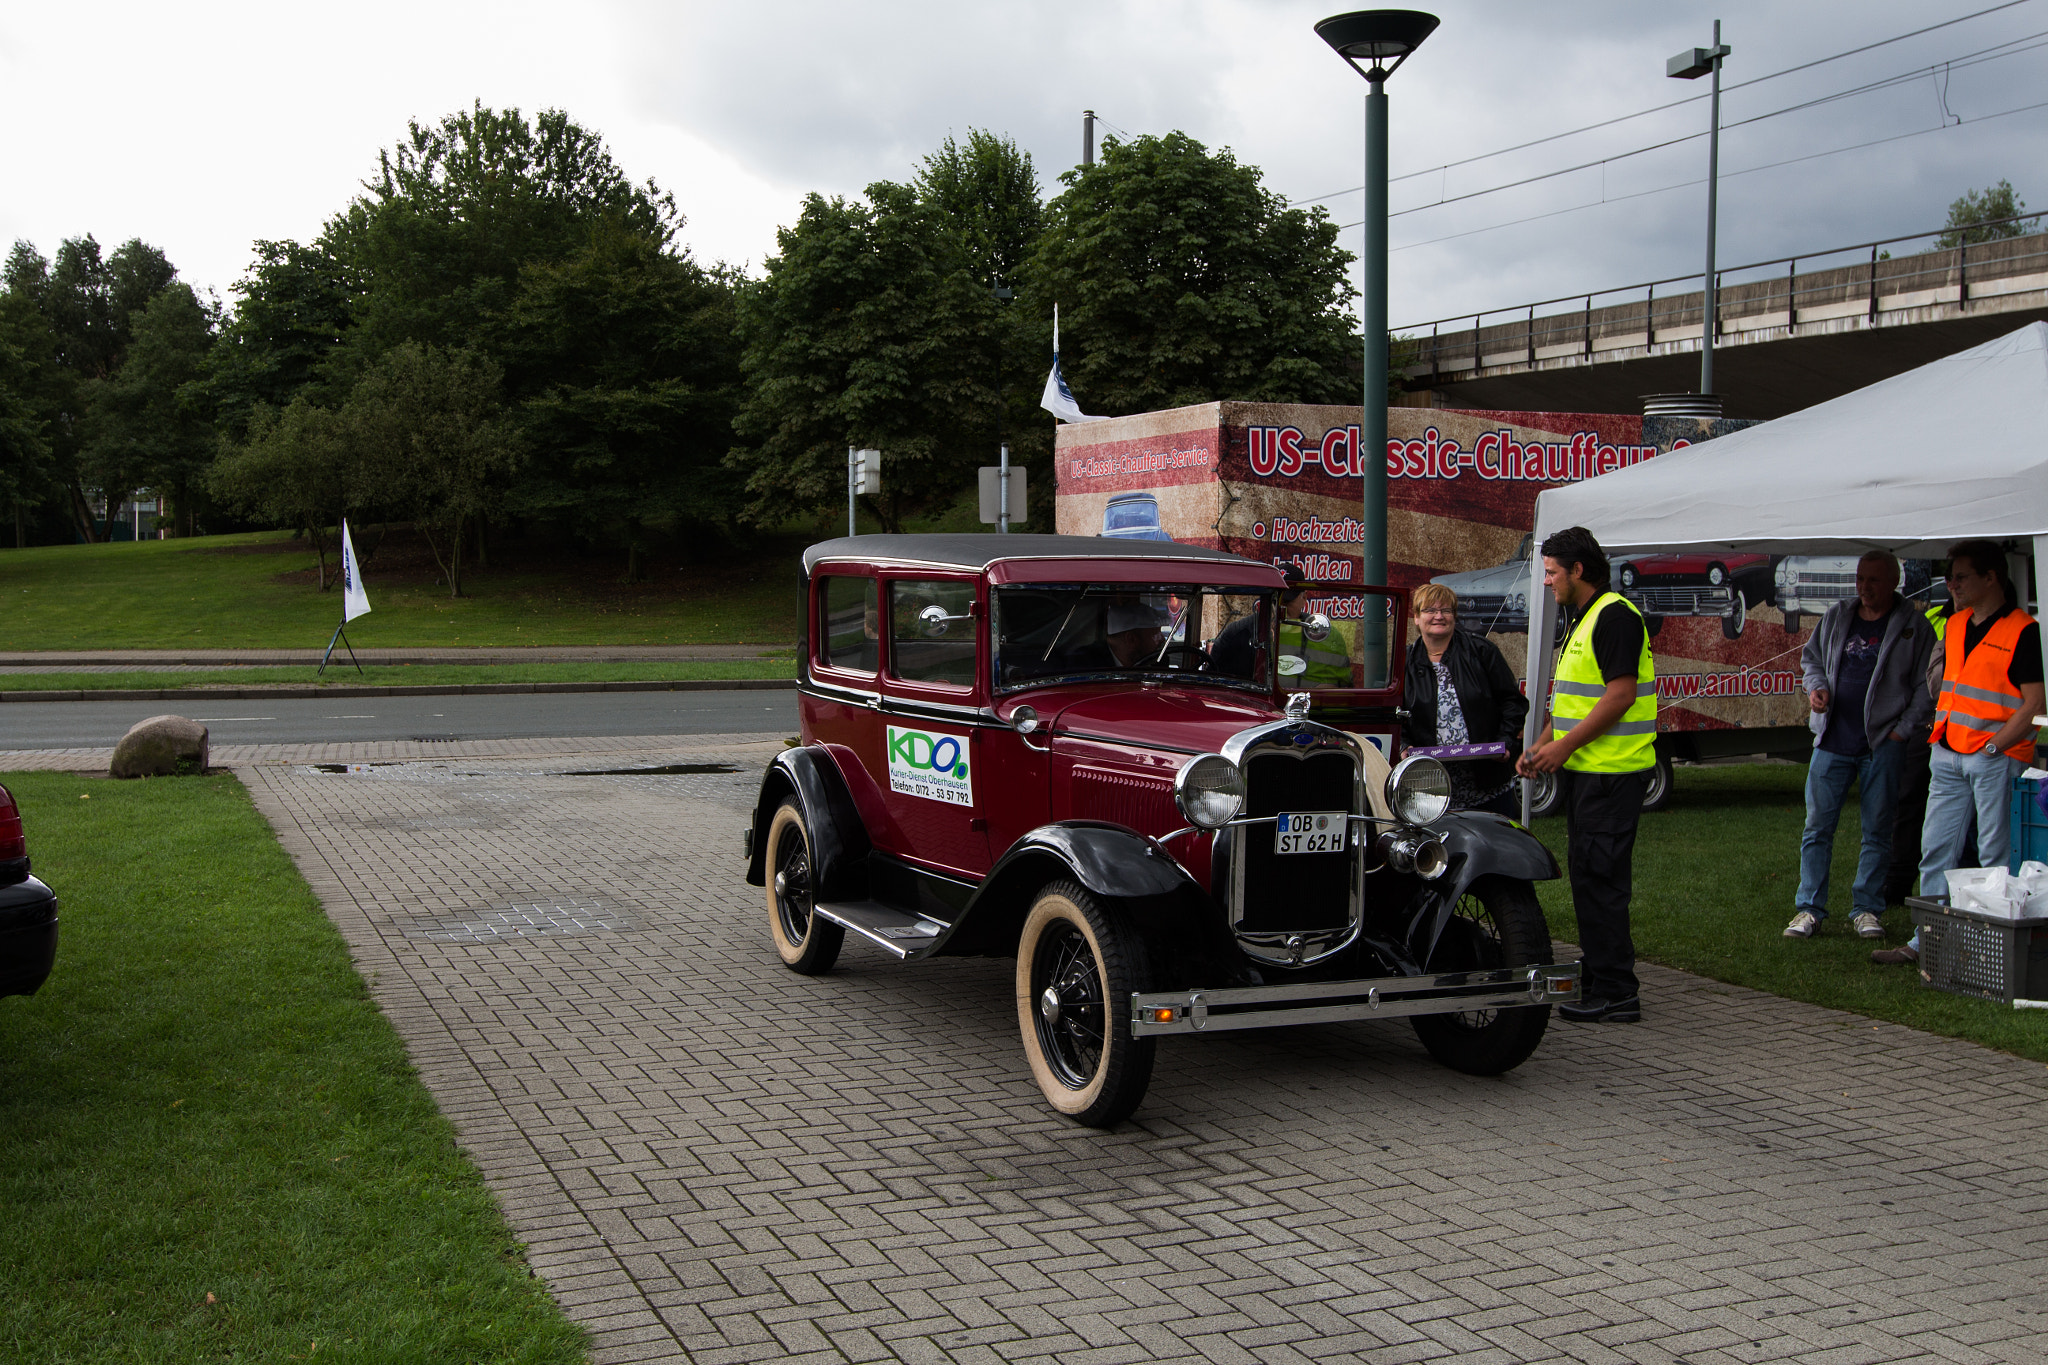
(62, 725)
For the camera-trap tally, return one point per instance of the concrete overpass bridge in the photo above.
(1789, 333)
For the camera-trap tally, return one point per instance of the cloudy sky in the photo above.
(202, 127)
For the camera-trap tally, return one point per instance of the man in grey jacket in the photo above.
(1865, 667)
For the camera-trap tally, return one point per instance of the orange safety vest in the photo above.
(1977, 696)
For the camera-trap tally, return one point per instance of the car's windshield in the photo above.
(1047, 632)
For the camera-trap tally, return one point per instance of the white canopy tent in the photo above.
(1955, 450)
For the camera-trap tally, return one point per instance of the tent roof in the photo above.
(1955, 449)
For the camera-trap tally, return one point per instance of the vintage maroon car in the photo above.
(1075, 751)
(1696, 583)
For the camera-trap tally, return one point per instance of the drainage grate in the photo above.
(434, 739)
(526, 919)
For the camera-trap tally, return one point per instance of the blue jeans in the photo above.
(1956, 783)
(1828, 777)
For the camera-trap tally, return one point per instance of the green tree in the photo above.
(24, 450)
(988, 191)
(151, 426)
(869, 329)
(295, 467)
(626, 357)
(1181, 279)
(37, 396)
(89, 304)
(291, 315)
(433, 436)
(1972, 218)
(458, 209)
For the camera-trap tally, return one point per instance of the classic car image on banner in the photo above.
(1280, 482)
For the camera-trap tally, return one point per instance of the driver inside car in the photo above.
(1134, 633)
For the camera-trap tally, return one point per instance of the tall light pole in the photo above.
(1374, 36)
(1690, 65)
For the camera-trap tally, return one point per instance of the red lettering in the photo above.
(1609, 458)
(1336, 453)
(1290, 452)
(1489, 445)
(1449, 452)
(1394, 467)
(1417, 459)
(1557, 461)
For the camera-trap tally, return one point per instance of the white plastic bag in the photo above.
(2033, 880)
(1987, 890)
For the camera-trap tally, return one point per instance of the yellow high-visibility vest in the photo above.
(1631, 745)
(1328, 659)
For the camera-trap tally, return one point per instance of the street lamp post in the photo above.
(1690, 65)
(1374, 37)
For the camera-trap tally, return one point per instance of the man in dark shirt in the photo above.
(1865, 667)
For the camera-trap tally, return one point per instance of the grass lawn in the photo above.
(211, 1143)
(260, 591)
(1715, 873)
(406, 675)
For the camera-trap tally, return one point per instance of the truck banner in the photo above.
(1282, 482)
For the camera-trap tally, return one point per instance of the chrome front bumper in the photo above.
(1323, 1002)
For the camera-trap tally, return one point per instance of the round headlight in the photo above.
(1419, 790)
(1209, 791)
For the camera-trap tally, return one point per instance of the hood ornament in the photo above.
(1297, 706)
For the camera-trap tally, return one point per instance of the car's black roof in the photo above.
(968, 551)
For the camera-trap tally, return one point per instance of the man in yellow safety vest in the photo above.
(1323, 663)
(1602, 745)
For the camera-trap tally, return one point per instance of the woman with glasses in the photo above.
(1460, 690)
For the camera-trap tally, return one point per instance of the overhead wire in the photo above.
(1701, 180)
(1660, 108)
(2034, 41)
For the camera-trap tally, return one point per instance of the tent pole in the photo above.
(1542, 638)
(2040, 560)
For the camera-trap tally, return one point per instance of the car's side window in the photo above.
(932, 632)
(851, 626)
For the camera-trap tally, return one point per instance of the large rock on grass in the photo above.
(162, 746)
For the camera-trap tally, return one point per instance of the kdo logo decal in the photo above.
(932, 766)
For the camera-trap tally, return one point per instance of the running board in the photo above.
(899, 933)
(1322, 1002)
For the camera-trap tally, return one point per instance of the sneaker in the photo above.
(1893, 957)
(1803, 924)
(1597, 1011)
(1867, 925)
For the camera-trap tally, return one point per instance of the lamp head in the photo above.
(1375, 35)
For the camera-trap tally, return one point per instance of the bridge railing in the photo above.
(1863, 280)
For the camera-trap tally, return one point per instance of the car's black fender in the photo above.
(1476, 844)
(839, 838)
(1180, 930)
(28, 936)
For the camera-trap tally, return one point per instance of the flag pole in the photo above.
(340, 634)
(354, 602)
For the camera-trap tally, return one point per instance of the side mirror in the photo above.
(1315, 626)
(932, 620)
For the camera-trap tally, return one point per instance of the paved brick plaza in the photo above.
(713, 1159)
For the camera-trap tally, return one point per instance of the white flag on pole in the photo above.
(354, 601)
(1058, 399)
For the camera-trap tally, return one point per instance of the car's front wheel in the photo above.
(1497, 923)
(805, 941)
(1077, 965)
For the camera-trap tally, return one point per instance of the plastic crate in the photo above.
(2029, 824)
(1967, 952)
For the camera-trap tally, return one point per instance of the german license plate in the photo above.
(1316, 831)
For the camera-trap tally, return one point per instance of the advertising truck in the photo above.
(1281, 482)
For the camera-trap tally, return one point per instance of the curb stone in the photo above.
(446, 690)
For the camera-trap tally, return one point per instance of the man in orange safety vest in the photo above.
(1991, 691)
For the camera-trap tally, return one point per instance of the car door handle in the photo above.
(874, 703)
